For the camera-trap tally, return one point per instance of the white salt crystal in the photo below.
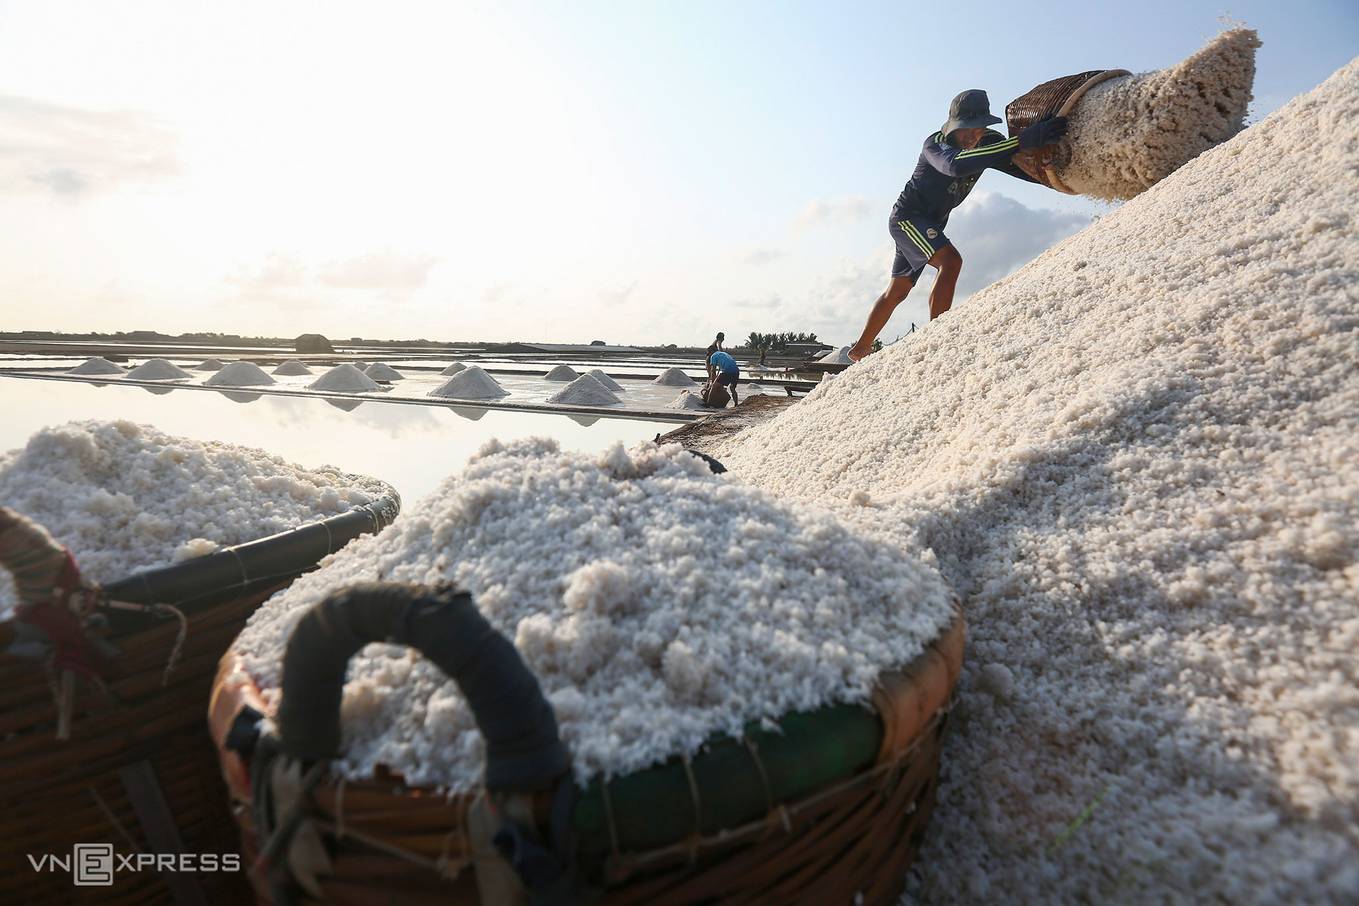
(158, 370)
(471, 383)
(561, 373)
(344, 378)
(239, 374)
(585, 390)
(674, 377)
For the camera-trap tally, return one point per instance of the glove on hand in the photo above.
(1043, 132)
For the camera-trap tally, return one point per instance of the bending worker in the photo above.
(728, 373)
(950, 165)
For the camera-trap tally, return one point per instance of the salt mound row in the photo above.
(210, 365)
(561, 373)
(344, 379)
(292, 367)
(1132, 131)
(158, 370)
(454, 368)
(674, 377)
(585, 390)
(616, 578)
(239, 374)
(96, 365)
(470, 384)
(599, 375)
(125, 497)
(688, 400)
(1140, 476)
(381, 371)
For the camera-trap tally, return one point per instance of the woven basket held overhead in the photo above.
(1055, 98)
(137, 769)
(831, 806)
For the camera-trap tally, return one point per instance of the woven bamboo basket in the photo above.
(1057, 97)
(137, 770)
(744, 821)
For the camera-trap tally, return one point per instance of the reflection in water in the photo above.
(471, 413)
(240, 396)
(344, 405)
(157, 390)
(414, 447)
(584, 421)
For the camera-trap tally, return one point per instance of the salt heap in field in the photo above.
(1132, 131)
(239, 374)
(470, 384)
(1141, 474)
(96, 365)
(453, 369)
(624, 580)
(381, 371)
(838, 357)
(292, 367)
(561, 373)
(344, 379)
(125, 497)
(210, 365)
(158, 370)
(687, 399)
(585, 390)
(674, 377)
(599, 375)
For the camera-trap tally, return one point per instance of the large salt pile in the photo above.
(453, 369)
(344, 379)
(125, 497)
(1140, 471)
(674, 377)
(292, 367)
(239, 374)
(585, 390)
(470, 384)
(210, 365)
(561, 373)
(627, 582)
(1132, 131)
(599, 375)
(96, 365)
(158, 370)
(381, 371)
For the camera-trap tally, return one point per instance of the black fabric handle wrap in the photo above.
(523, 749)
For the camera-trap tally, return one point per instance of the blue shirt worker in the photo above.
(950, 164)
(728, 372)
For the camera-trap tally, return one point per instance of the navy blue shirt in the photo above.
(944, 174)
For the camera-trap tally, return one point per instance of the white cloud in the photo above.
(71, 153)
(761, 256)
(390, 272)
(835, 211)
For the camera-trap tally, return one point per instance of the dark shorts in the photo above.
(729, 378)
(917, 238)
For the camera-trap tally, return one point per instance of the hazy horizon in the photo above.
(639, 174)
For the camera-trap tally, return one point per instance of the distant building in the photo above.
(806, 350)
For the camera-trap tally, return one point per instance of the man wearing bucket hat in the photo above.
(950, 164)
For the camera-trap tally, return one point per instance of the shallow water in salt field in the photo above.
(412, 448)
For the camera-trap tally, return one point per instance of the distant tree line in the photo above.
(777, 342)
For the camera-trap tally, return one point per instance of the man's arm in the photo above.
(953, 161)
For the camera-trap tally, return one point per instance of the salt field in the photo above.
(412, 447)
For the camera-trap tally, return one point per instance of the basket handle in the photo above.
(523, 749)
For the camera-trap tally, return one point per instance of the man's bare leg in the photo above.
(950, 265)
(880, 314)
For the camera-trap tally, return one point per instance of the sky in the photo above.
(637, 172)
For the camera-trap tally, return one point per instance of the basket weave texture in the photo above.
(393, 843)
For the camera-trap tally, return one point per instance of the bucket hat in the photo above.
(969, 110)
